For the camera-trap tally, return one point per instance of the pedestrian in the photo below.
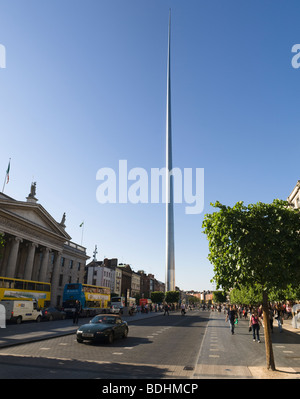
(182, 309)
(278, 317)
(231, 316)
(166, 309)
(255, 324)
(76, 312)
(288, 311)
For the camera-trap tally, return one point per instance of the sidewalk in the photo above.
(287, 326)
(27, 332)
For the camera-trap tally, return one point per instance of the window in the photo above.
(30, 286)
(73, 287)
(71, 264)
(46, 287)
(19, 285)
(39, 287)
(62, 262)
(60, 280)
(78, 266)
(9, 283)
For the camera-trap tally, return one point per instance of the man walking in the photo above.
(166, 309)
(231, 316)
(76, 312)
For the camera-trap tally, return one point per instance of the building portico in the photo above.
(35, 244)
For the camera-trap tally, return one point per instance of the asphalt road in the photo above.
(198, 345)
(157, 347)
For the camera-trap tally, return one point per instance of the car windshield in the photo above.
(103, 319)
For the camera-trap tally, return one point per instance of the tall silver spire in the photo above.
(170, 258)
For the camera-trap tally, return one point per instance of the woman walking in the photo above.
(254, 324)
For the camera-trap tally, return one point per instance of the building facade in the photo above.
(37, 247)
(294, 198)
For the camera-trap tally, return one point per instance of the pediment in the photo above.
(34, 215)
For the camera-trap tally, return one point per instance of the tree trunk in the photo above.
(267, 330)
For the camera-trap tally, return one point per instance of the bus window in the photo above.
(30, 286)
(19, 285)
(9, 283)
(72, 286)
(39, 287)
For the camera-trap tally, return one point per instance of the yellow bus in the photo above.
(18, 289)
(93, 299)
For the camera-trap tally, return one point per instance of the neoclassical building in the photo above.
(294, 197)
(37, 247)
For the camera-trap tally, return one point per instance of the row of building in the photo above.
(122, 279)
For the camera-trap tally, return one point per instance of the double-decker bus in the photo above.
(19, 289)
(93, 299)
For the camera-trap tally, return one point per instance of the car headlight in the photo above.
(79, 332)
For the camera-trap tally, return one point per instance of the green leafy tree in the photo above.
(253, 245)
(246, 295)
(219, 296)
(193, 299)
(172, 296)
(157, 296)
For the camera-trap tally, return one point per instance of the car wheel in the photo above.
(110, 338)
(19, 320)
(50, 317)
(125, 333)
(64, 317)
(38, 319)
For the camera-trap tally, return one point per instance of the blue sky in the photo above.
(85, 86)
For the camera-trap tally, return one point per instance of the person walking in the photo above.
(254, 324)
(182, 309)
(166, 309)
(231, 316)
(278, 317)
(76, 312)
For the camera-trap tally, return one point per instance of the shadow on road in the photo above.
(40, 368)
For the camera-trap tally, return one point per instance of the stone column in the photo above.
(29, 262)
(55, 278)
(13, 256)
(44, 266)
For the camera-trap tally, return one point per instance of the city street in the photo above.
(198, 345)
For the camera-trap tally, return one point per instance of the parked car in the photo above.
(53, 314)
(103, 328)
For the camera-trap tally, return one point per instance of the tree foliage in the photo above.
(219, 296)
(255, 246)
(157, 296)
(172, 296)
